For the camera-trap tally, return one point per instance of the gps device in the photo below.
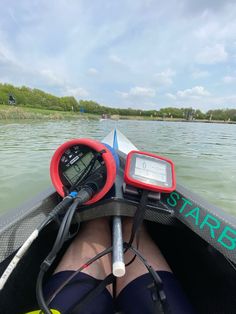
(149, 171)
(82, 162)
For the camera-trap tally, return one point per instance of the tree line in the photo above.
(36, 98)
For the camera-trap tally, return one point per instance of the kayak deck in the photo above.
(176, 223)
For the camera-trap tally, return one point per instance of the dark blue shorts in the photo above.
(135, 298)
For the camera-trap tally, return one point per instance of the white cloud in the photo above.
(202, 6)
(7, 56)
(77, 92)
(116, 59)
(51, 78)
(229, 79)
(197, 92)
(217, 30)
(124, 41)
(228, 101)
(3, 58)
(92, 71)
(212, 54)
(203, 32)
(139, 91)
(204, 103)
(171, 96)
(197, 74)
(164, 77)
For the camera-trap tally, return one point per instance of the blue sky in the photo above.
(146, 54)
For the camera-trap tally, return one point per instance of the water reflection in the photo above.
(204, 154)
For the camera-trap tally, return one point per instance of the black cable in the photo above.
(62, 236)
(39, 294)
(76, 308)
(85, 265)
(64, 204)
(137, 221)
(139, 216)
(134, 257)
(26, 245)
(87, 170)
(67, 201)
(162, 306)
(63, 233)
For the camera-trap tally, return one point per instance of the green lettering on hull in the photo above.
(210, 224)
(195, 213)
(213, 224)
(226, 238)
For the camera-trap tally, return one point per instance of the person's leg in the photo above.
(133, 295)
(147, 248)
(93, 238)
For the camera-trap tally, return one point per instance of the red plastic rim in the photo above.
(95, 145)
(129, 180)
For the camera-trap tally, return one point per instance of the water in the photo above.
(204, 154)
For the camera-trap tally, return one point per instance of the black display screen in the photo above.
(76, 169)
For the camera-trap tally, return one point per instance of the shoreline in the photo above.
(177, 120)
(27, 113)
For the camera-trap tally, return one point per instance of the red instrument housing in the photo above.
(94, 145)
(148, 186)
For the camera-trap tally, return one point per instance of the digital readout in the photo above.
(150, 169)
(73, 173)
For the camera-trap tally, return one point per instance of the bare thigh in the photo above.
(148, 249)
(94, 237)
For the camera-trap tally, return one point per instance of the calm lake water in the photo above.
(204, 154)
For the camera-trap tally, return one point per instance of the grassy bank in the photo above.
(20, 113)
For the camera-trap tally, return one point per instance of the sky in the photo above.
(146, 54)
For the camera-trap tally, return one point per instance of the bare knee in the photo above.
(147, 248)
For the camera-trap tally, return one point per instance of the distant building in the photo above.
(11, 100)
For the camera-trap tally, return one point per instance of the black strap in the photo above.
(137, 222)
(158, 295)
(76, 308)
(139, 216)
(156, 288)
